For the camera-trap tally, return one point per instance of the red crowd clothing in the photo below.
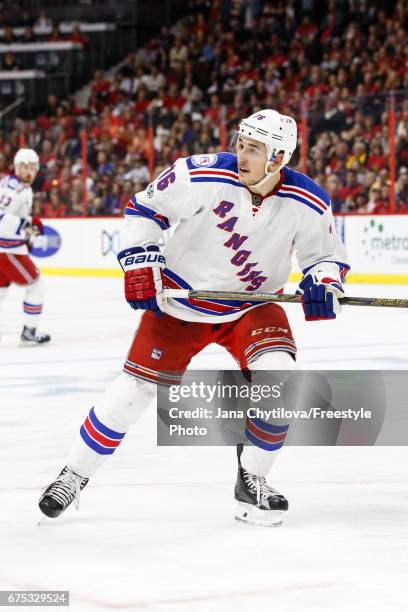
(101, 86)
(376, 162)
(213, 113)
(176, 103)
(163, 347)
(49, 210)
(350, 192)
(18, 269)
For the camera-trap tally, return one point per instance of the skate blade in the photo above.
(247, 513)
(42, 520)
(28, 344)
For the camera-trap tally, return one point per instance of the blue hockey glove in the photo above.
(320, 297)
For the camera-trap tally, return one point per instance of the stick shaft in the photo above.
(279, 297)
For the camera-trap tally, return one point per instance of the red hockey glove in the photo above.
(37, 226)
(33, 229)
(143, 278)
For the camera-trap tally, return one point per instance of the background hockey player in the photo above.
(238, 217)
(17, 230)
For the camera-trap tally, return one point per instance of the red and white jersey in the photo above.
(16, 202)
(227, 238)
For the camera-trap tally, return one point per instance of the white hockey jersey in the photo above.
(229, 239)
(16, 202)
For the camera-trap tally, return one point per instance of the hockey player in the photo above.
(17, 230)
(238, 217)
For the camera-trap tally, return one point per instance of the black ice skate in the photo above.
(61, 493)
(258, 503)
(30, 337)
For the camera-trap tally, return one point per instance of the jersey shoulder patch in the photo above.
(305, 190)
(214, 168)
(13, 182)
(204, 160)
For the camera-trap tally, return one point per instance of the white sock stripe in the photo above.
(255, 356)
(270, 340)
(155, 372)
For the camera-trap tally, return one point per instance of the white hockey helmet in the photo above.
(277, 132)
(26, 156)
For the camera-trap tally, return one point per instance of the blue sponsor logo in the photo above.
(47, 244)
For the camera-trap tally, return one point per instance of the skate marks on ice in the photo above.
(156, 528)
(92, 327)
(155, 531)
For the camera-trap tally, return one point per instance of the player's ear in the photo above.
(277, 161)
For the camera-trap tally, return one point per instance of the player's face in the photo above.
(27, 172)
(251, 160)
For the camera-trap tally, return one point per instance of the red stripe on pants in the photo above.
(18, 269)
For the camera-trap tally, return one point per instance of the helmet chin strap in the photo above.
(268, 174)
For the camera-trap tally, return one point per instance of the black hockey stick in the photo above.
(279, 297)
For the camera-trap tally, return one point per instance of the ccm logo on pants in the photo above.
(271, 329)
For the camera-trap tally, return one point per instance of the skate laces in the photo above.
(67, 488)
(259, 487)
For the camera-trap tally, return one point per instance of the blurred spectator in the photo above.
(360, 205)
(9, 62)
(112, 200)
(43, 22)
(138, 172)
(376, 160)
(29, 35)
(47, 154)
(173, 100)
(333, 187)
(54, 207)
(55, 35)
(374, 199)
(76, 36)
(351, 188)
(8, 37)
(52, 106)
(402, 190)
(26, 18)
(76, 209)
(178, 53)
(358, 157)
(155, 80)
(382, 204)
(104, 166)
(98, 208)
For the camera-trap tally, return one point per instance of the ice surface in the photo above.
(155, 531)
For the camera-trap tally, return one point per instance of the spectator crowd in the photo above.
(224, 59)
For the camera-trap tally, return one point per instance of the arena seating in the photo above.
(217, 63)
